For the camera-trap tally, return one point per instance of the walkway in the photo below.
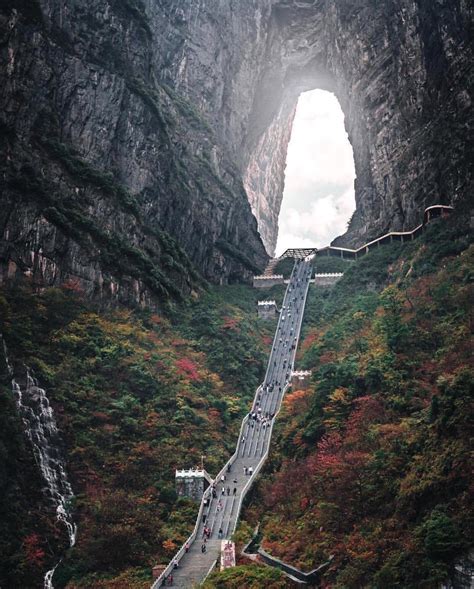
(221, 505)
(433, 212)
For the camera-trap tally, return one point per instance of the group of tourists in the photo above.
(264, 408)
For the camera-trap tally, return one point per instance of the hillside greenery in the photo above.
(370, 465)
(136, 395)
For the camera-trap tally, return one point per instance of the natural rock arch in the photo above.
(162, 110)
(397, 69)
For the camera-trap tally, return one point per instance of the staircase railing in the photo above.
(179, 554)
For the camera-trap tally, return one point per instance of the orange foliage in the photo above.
(309, 340)
(152, 420)
(230, 323)
(188, 368)
(214, 415)
(296, 401)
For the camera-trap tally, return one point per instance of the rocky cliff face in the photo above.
(115, 177)
(402, 71)
(131, 127)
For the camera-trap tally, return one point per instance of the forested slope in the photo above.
(136, 394)
(371, 463)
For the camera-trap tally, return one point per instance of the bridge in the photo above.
(222, 502)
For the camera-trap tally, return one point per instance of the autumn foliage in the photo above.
(372, 463)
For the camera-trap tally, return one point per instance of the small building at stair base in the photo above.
(300, 380)
(227, 554)
(267, 309)
(192, 483)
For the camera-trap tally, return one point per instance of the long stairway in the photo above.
(222, 502)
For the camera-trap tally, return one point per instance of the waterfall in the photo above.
(40, 427)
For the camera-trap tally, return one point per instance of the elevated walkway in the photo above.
(430, 213)
(221, 504)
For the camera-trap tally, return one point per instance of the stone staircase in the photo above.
(221, 509)
(270, 269)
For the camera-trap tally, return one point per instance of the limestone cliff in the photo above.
(403, 73)
(115, 177)
(131, 127)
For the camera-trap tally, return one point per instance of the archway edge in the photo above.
(376, 59)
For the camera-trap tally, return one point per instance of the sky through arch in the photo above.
(318, 199)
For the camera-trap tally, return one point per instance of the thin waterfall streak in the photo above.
(41, 429)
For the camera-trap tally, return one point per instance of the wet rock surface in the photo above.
(134, 131)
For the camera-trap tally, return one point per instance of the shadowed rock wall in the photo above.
(115, 175)
(131, 127)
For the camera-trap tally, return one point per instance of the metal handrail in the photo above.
(265, 455)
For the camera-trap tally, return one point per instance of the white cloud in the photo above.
(319, 197)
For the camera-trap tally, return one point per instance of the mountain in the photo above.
(140, 136)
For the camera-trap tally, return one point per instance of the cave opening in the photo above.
(318, 198)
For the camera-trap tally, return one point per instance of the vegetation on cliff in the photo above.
(371, 463)
(135, 395)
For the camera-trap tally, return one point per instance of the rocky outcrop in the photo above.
(136, 130)
(113, 176)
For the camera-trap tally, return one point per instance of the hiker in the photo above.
(251, 471)
(170, 580)
(214, 494)
(229, 466)
(228, 491)
(235, 491)
(204, 516)
(203, 548)
(220, 533)
(245, 470)
(223, 490)
(186, 548)
(175, 564)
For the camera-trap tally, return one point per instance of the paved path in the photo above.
(221, 507)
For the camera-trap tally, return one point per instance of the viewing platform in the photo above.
(327, 279)
(268, 281)
(267, 309)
